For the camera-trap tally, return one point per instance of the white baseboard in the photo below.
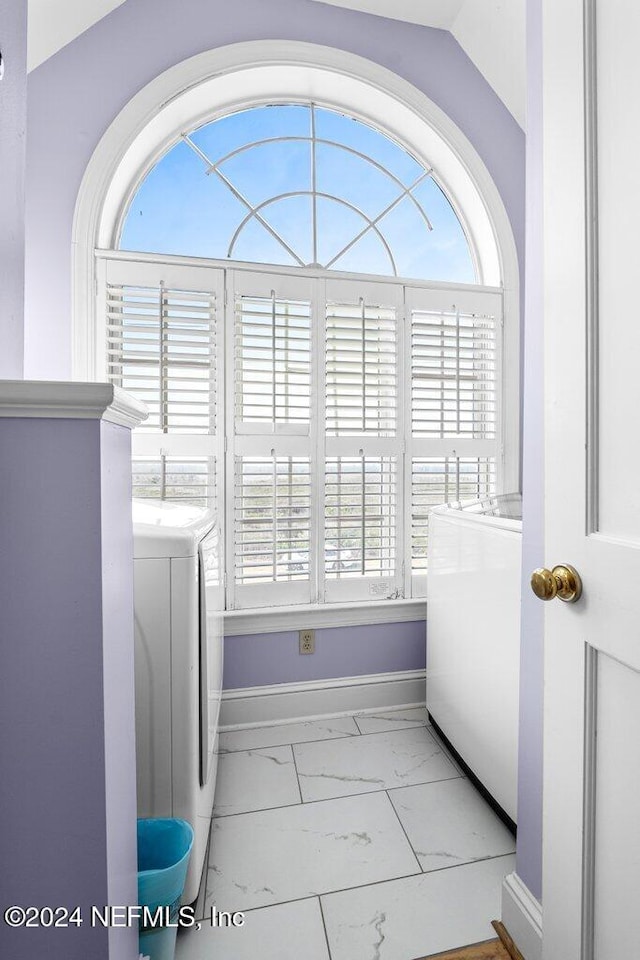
(287, 702)
(522, 917)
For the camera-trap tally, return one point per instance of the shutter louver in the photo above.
(360, 526)
(272, 519)
(453, 375)
(272, 364)
(161, 346)
(361, 369)
(438, 480)
(174, 478)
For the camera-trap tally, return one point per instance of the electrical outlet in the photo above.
(307, 641)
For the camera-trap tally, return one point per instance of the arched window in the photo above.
(299, 185)
(306, 290)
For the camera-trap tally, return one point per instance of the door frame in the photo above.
(570, 329)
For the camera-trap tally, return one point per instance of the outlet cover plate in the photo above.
(307, 641)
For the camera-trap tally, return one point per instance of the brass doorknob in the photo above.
(563, 582)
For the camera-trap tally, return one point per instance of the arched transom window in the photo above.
(303, 186)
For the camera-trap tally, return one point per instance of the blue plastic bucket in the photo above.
(164, 848)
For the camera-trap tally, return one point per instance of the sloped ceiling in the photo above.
(430, 13)
(491, 32)
(55, 23)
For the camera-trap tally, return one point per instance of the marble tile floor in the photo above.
(357, 838)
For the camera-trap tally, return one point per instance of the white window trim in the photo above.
(315, 616)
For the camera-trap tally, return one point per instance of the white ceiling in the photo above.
(491, 32)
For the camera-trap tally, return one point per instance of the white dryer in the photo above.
(178, 600)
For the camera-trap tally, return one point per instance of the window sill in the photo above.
(315, 615)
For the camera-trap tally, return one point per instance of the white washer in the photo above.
(178, 600)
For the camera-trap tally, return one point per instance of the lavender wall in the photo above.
(64, 602)
(13, 121)
(74, 96)
(529, 856)
(340, 652)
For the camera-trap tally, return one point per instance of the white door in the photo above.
(591, 873)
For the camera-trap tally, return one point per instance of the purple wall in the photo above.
(340, 652)
(13, 122)
(66, 624)
(74, 96)
(529, 856)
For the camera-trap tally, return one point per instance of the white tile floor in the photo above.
(350, 839)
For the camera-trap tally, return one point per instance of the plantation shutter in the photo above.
(350, 408)
(270, 457)
(454, 345)
(162, 330)
(363, 441)
(272, 370)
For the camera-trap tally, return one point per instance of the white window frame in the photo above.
(248, 74)
(402, 591)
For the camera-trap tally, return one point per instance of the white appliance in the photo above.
(473, 637)
(178, 600)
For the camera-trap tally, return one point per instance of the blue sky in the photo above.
(181, 209)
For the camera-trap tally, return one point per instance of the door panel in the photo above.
(617, 825)
(618, 148)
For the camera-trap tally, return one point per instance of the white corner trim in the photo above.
(54, 399)
(315, 699)
(522, 917)
(312, 616)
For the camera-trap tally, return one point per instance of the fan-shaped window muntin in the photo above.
(340, 195)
